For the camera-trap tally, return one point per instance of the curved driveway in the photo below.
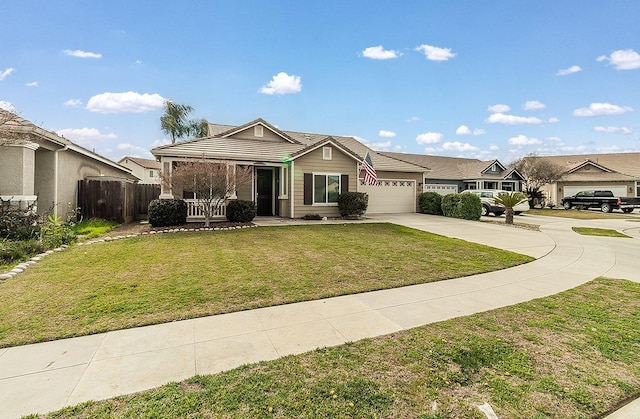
(47, 376)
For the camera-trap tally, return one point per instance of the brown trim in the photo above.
(308, 188)
(344, 183)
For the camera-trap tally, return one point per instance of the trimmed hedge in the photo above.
(430, 203)
(462, 205)
(353, 204)
(239, 211)
(167, 212)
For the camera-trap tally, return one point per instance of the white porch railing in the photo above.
(195, 213)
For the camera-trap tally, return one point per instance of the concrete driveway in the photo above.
(47, 376)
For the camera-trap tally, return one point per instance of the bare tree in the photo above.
(8, 136)
(212, 183)
(537, 171)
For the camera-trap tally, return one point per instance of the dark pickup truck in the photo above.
(600, 199)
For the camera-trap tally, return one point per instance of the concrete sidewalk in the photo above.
(47, 376)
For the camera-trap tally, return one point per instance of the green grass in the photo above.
(580, 215)
(165, 277)
(572, 355)
(92, 228)
(605, 232)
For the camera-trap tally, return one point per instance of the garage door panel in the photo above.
(390, 196)
(618, 190)
(442, 189)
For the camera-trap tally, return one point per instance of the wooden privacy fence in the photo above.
(115, 200)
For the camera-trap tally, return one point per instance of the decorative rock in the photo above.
(5, 276)
(30, 262)
(16, 270)
(48, 252)
(58, 249)
(36, 258)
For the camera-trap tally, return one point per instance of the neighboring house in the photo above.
(40, 164)
(296, 173)
(619, 173)
(453, 174)
(148, 171)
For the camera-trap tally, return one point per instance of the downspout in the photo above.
(55, 177)
(292, 197)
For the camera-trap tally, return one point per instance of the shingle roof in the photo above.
(221, 147)
(627, 164)
(449, 167)
(146, 163)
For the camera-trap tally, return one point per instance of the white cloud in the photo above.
(435, 53)
(282, 84)
(379, 53)
(458, 146)
(429, 138)
(596, 109)
(125, 102)
(523, 140)
(83, 135)
(614, 130)
(479, 131)
(381, 146)
(622, 59)
(500, 118)
(463, 130)
(73, 102)
(533, 105)
(413, 119)
(133, 150)
(499, 108)
(4, 73)
(387, 134)
(82, 54)
(494, 147)
(555, 139)
(553, 120)
(571, 70)
(7, 106)
(161, 142)
(32, 84)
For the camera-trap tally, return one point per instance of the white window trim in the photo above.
(326, 153)
(313, 185)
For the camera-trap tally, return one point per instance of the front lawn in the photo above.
(571, 355)
(604, 232)
(165, 277)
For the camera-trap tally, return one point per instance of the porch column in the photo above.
(165, 191)
(232, 180)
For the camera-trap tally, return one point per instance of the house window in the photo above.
(326, 188)
(152, 173)
(326, 153)
(284, 185)
(258, 131)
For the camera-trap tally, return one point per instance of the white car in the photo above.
(487, 197)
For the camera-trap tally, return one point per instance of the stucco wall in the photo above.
(312, 162)
(16, 170)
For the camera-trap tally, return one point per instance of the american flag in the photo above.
(370, 176)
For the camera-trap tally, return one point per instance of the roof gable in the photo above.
(587, 165)
(248, 130)
(494, 167)
(324, 142)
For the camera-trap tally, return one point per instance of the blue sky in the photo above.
(479, 79)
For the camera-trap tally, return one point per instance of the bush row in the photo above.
(461, 205)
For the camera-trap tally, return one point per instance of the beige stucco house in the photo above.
(295, 173)
(36, 164)
(147, 170)
(617, 172)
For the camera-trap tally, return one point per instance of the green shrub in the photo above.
(353, 204)
(54, 232)
(312, 216)
(239, 211)
(167, 212)
(465, 205)
(19, 251)
(18, 222)
(430, 203)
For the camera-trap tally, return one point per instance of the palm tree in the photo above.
(174, 121)
(510, 200)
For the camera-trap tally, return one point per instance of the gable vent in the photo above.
(258, 131)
